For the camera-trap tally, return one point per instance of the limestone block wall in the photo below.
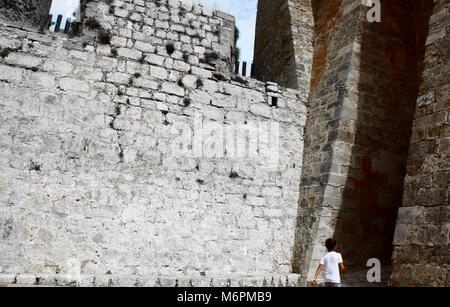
(25, 13)
(421, 253)
(388, 86)
(364, 86)
(284, 42)
(274, 50)
(333, 93)
(92, 179)
(190, 27)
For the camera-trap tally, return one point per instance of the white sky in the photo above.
(243, 10)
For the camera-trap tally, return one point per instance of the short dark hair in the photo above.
(330, 243)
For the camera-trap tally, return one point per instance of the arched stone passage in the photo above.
(421, 239)
(391, 64)
(334, 43)
(364, 86)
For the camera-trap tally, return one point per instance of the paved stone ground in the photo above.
(359, 279)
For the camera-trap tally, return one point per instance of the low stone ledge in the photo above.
(25, 280)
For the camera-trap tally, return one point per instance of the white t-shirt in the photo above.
(331, 267)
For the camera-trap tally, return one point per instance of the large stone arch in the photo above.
(391, 63)
(331, 86)
(421, 240)
(363, 90)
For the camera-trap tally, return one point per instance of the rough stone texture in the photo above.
(333, 87)
(421, 253)
(363, 89)
(67, 280)
(92, 194)
(25, 13)
(379, 137)
(284, 43)
(89, 183)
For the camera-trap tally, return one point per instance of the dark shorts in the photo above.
(332, 284)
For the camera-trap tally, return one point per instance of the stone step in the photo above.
(12, 280)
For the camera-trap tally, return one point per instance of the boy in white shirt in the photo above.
(331, 263)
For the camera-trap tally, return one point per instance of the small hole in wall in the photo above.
(274, 102)
(199, 83)
(5, 52)
(170, 48)
(35, 166)
(234, 175)
(186, 102)
(104, 37)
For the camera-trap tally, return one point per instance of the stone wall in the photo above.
(274, 50)
(363, 91)
(25, 13)
(283, 43)
(388, 87)
(421, 254)
(92, 181)
(333, 93)
(98, 179)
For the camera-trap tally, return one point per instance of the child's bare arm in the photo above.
(319, 269)
(342, 267)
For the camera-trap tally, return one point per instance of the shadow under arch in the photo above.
(326, 14)
(373, 165)
(392, 57)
